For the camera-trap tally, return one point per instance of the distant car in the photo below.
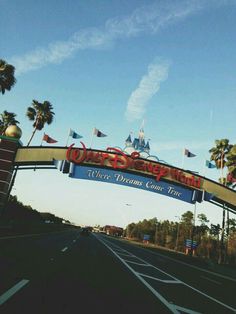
(84, 232)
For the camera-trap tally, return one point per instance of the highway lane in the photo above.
(26, 256)
(179, 284)
(66, 273)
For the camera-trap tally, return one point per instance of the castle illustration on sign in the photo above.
(138, 144)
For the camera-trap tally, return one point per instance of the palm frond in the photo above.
(7, 79)
(31, 113)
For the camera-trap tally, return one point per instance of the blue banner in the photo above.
(131, 180)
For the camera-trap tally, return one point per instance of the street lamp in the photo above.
(177, 236)
(156, 233)
(193, 228)
(127, 220)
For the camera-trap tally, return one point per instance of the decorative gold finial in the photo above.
(13, 131)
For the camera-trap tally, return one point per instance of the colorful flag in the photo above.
(73, 134)
(188, 153)
(209, 164)
(48, 139)
(230, 178)
(98, 133)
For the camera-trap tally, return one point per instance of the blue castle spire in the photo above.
(138, 143)
(128, 142)
(147, 147)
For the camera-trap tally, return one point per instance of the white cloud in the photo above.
(149, 18)
(58, 51)
(148, 87)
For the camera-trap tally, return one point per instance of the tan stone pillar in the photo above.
(8, 149)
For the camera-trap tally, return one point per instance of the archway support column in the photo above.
(8, 149)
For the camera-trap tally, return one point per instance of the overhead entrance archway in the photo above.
(113, 166)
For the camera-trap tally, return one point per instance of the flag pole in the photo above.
(204, 170)
(68, 138)
(42, 140)
(182, 166)
(92, 137)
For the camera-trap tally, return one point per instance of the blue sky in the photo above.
(111, 65)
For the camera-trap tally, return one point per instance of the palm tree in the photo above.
(7, 79)
(40, 113)
(231, 163)
(6, 119)
(218, 154)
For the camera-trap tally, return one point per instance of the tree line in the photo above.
(18, 217)
(173, 235)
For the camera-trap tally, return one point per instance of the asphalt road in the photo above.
(66, 272)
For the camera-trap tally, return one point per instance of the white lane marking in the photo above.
(188, 311)
(180, 262)
(161, 280)
(139, 264)
(120, 250)
(160, 270)
(217, 282)
(65, 248)
(9, 293)
(158, 295)
(125, 254)
(185, 284)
